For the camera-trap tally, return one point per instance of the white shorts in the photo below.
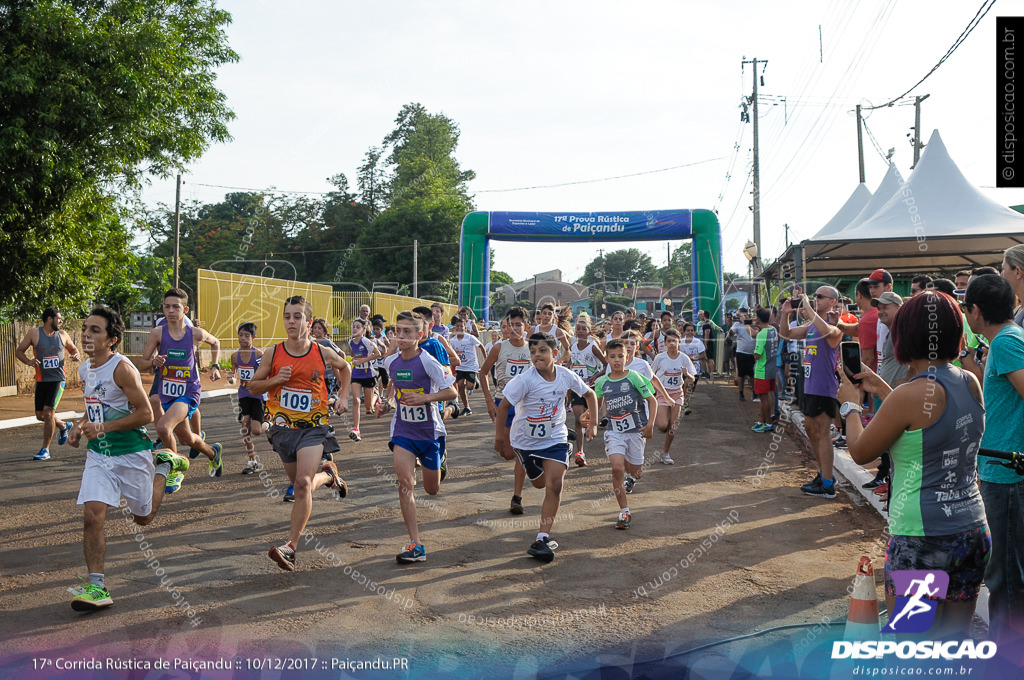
(109, 478)
(628, 444)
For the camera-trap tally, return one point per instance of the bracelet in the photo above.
(214, 365)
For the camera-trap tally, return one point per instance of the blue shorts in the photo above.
(963, 556)
(193, 405)
(511, 412)
(430, 452)
(533, 460)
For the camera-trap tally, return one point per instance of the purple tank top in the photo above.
(246, 370)
(820, 365)
(419, 423)
(359, 351)
(179, 376)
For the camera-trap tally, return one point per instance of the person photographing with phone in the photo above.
(821, 349)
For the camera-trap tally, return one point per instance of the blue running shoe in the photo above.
(174, 481)
(44, 454)
(289, 494)
(62, 436)
(216, 466)
(415, 552)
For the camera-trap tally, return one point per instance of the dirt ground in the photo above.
(722, 544)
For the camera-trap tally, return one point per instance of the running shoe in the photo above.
(687, 411)
(516, 506)
(414, 552)
(216, 466)
(326, 457)
(742, 397)
(541, 549)
(570, 434)
(874, 483)
(882, 490)
(44, 454)
(581, 459)
(758, 426)
(756, 399)
(284, 556)
(629, 483)
(768, 428)
(354, 436)
(840, 442)
(336, 483)
(467, 411)
(89, 597)
(811, 484)
(177, 463)
(604, 422)
(62, 436)
(820, 490)
(193, 453)
(624, 520)
(157, 444)
(289, 494)
(444, 468)
(667, 459)
(173, 482)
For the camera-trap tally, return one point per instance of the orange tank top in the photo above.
(302, 401)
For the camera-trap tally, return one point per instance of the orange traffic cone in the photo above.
(862, 621)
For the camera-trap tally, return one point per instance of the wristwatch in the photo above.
(848, 406)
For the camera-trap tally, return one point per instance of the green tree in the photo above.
(427, 199)
(619, 267)
(678, 269)
(94, 96)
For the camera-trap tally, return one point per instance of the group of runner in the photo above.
(420, 369)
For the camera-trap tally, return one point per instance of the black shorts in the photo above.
(577, 400)
(252, 407)
(287, 441)
(814, 405)
(48, 394)
(745, 365)
(368, 383)
(468, 376)
(383, 373)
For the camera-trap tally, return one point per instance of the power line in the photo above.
(971, 25)
(601, 179)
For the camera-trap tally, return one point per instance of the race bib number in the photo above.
(173, 388)
(246, 373)
(623, 423)
(463, 357)
(413, 414)
(538, 428)
(673, 380)
(51, 363)
(298, 400)
(807, 369)
(94, 410)
(517, 366)
(580, 370)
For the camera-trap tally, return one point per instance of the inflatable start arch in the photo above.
(701, 226)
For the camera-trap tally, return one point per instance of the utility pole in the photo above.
(786, 226)
(177, 229)
(757, 166)
(917, 128)
(415, 268)
(860, 146)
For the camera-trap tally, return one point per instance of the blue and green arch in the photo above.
(479, 228)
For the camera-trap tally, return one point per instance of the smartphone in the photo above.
(852, 309)
(748, 322)
(851, 360)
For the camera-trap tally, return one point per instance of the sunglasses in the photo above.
(819, 296)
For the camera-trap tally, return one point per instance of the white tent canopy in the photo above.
(887, 188)
(936, 221)
(854, 204)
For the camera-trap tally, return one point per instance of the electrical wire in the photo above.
(873, 141)
(600, 179)
(971, 25)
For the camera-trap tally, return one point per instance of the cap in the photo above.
(880, 275)
(848, 318)
(887, 298)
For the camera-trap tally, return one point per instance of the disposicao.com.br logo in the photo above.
(914, 612)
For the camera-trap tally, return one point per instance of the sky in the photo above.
(549, 93)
